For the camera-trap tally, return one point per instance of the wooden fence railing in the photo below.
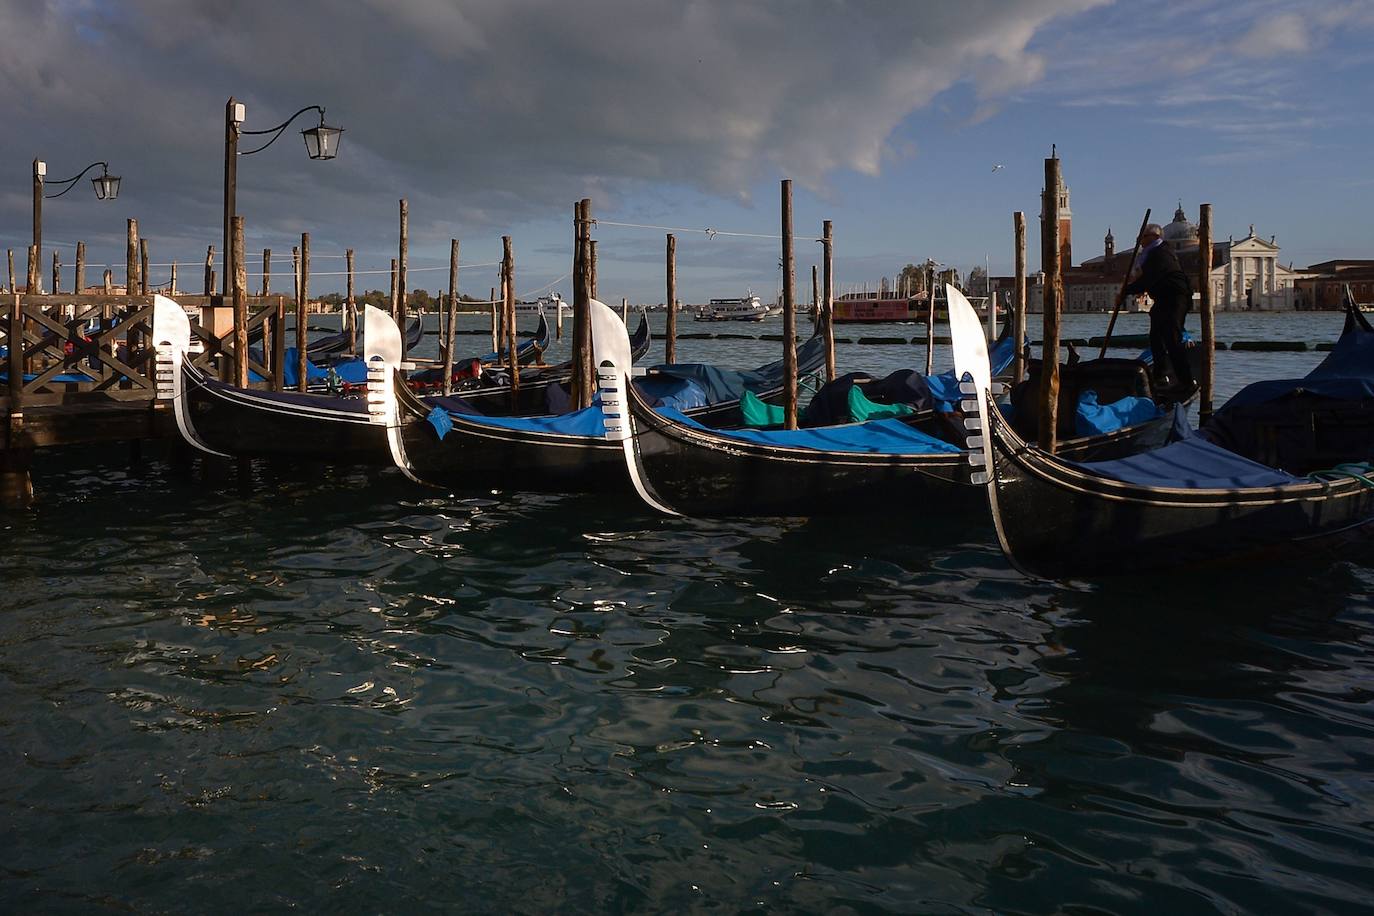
(73, 349)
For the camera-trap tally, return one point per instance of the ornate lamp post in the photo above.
(106, 188)
(321, 142)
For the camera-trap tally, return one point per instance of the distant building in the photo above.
(1246, 274)
(1323, 285)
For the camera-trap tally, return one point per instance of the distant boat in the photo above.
(543, 304)
(877, 309)
(745, 308)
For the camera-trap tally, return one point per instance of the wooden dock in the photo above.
(80, 370)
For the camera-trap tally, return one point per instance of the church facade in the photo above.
(1246, 273)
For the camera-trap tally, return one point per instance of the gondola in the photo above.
(438, 446)
(1191, 502)
(222, 419)
(681, 467)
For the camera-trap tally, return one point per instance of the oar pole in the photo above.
(1125, 281)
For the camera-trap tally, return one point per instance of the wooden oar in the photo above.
(1124, 282)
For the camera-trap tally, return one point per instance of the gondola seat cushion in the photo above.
(756, 411)
(1092, 418)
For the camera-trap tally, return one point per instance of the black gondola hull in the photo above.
(253, 423)
(472, 456)
(1057, 522)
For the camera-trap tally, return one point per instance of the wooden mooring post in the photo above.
(789, 312)
(79, 276)
(31, 284)
(351, 304)
(143, 267)
(131, 284)
(930, 321)
(828, 290)
(583, 378)
(1051, 264)
(210, 270)
(1018, 318)
(670, 334)
(239, 291)
(591, 252)
(452, 314)
(402, 266)
(512, 358)
(1207, 388)
(10, 253)
(16, 460)
(56, 273)
(302, 307)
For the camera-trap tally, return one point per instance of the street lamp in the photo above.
(106, 188)
(321, 142)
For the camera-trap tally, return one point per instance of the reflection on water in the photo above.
(342, 689)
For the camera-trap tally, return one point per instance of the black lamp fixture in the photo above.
(322, 141)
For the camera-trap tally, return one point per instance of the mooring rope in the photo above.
(1359, 470)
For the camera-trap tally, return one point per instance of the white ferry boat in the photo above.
(745, 308)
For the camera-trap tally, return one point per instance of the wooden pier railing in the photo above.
(79, 368)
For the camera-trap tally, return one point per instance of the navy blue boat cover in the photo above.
(1347, 374)
(722, 385)
(1190, 464)
(878, 437)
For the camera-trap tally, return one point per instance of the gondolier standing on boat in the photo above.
(1156, 271)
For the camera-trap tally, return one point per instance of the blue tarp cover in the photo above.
(1192, 464)
(587, 422)
(944, 388)
(666, 391)
(1092, 418)
(723, 385)
(353, 371)
(882, 437)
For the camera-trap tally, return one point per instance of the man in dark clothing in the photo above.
(1159, 275)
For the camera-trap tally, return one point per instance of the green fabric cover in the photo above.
(861, 408)
(758, 413)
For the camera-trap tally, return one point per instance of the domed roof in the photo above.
(1180, 230)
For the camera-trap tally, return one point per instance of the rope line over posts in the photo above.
(710, 233)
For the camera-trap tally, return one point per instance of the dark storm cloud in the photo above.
(483, 114)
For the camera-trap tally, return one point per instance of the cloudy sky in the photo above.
(493, 117)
